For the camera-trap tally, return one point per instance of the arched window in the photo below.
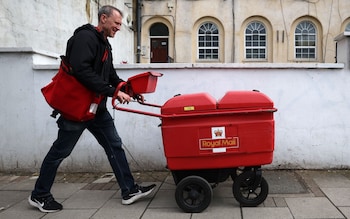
(159, 29)
(208, 41)
(305, 40)
(255, 41)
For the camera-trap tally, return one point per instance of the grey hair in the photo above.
(107, 10)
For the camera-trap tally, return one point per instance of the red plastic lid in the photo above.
(189, 103)
(244, 99)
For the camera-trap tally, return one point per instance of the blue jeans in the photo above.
(103, 129)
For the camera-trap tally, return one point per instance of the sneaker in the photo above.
(140, 192)
(46, 204)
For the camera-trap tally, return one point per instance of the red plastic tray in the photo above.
(144, 82)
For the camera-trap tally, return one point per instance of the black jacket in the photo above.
(86, 53)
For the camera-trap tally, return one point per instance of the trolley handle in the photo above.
(139, 100)
(115, 95)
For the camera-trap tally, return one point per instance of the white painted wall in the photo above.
(312, 121)
(47, 25)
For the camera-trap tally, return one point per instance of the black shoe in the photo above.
(46, 204)
(137, 193)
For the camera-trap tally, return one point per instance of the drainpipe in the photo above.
(234, 31)
(138, 30)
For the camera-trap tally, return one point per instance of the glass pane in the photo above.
(305, 37)
(347, 27)
(209, 39)
(255, 39)
(159, 29)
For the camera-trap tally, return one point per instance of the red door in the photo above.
(159, 50)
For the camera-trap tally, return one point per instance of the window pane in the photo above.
(347, 27)
(208, 41)
(255, 41)
(159, 29)
(305, 40)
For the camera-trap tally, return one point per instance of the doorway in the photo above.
(159, 50)
(159, 36)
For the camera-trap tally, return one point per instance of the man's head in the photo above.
(109, 20)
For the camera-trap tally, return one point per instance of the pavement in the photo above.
(293, 194)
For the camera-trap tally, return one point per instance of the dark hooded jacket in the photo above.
(90, 56)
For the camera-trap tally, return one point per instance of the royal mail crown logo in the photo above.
(218, 132)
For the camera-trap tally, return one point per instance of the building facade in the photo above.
(239, 31)
(187, 31)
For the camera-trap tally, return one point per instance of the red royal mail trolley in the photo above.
(206, 141)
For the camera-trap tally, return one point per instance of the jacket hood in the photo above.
(90, 28)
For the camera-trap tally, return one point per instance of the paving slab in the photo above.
(71, 214)
(21, 210)
(313, 207)
(284, 182)
(339, 196)
(266, 213)
(88, 199)
(165, 213)
(20, 184)
(345, 211)
(332, 180)
(224, 208)
(66, 190)
(164, 199)
(11, 198)
(280, 202)
(114, 209)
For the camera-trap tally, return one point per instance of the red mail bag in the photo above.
(66, 95)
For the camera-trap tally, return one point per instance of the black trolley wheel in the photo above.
(193, 194)
(248, 192)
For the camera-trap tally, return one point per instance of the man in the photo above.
(89, 54)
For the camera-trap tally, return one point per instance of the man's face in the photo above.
(111, 24)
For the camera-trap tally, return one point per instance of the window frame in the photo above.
(256, 26)
(310, 39)
(213, 28)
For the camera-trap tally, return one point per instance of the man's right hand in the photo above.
(123, 97)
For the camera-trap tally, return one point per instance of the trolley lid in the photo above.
(189, 103)
(244, 99)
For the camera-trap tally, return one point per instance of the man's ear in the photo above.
(103, 18)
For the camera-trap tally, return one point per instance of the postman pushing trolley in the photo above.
(206, 141)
